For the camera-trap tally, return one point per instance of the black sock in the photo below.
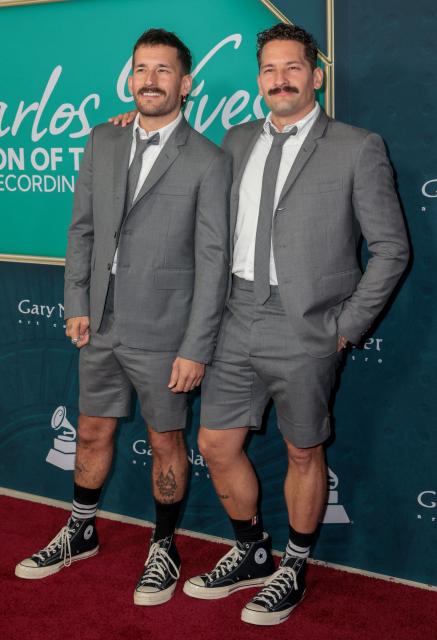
(248, 530)
(85, 502)
(299, 543)
(166, 518)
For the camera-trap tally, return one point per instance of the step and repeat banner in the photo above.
(66, 70)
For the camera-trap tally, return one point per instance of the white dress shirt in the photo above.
(250, 192)
(149, 156)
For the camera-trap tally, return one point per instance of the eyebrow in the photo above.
(159, 64)
(272, 64)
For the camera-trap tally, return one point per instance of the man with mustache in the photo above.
(305, 189)
(145, 283)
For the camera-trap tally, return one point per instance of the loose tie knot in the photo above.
(279, 138)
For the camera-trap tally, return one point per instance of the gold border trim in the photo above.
(18, 3)
(12, 257)
(326, 57)
(9, 257)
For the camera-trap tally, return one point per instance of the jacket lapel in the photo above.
(122, 149)
(305, 153)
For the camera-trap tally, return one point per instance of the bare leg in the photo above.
(95, 446)
(231, 471)
(170, 465)
(305, 486)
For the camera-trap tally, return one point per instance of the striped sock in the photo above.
(85, 502)
(296, 551)
(299, 544)
(83, 511)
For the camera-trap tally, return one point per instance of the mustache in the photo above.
(288, 88)
(153, 89)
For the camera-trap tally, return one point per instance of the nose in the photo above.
(279, 78)
(150, 78)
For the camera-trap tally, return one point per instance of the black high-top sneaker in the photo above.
(280, 594)
(248, 564)
(76, 541)
(160, 575)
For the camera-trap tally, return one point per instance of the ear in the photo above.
(186, 84)
(318, 78)
(129, 84)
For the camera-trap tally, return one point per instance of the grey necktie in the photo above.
(264, 229)
(136, 164)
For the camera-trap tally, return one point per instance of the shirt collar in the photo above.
(303, 125)
(164, 132)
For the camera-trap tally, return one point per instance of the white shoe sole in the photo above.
(144, 599)
(34, 573)
(265, 619)
(214, 593)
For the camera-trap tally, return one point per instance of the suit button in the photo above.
(109, 266)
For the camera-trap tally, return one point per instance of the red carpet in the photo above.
(92, 600)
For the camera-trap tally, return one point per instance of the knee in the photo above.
(95, 432)
(303, 459)
(215, 449)
(165, 445)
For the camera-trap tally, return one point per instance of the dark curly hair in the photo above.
(154, 37)
(283, 31)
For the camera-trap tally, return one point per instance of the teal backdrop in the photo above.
(382, 505)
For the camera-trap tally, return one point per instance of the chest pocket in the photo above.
(323, 186)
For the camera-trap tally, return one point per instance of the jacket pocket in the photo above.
(337, 286)
(174, 278)
(323, 186)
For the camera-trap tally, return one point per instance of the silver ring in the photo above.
(74, 340)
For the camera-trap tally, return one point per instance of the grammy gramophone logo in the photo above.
(335, 513)
(63, 453)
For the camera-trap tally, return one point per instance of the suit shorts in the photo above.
(258, 357)
(109, 372)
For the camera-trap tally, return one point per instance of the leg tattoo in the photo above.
(167, 485)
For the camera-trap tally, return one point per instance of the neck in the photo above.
(282, 121)
(154, 123)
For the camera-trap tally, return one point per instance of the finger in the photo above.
(84, 340)
(188, 386)
(196, 383)
(182, 383)
(173, 377)
(83, 327)
(74, 332)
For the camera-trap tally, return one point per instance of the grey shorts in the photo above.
(109, 372)
(258, 357)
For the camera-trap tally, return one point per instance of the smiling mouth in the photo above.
(147, 93)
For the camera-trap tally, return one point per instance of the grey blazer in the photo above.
(173, 258)
(339, 187)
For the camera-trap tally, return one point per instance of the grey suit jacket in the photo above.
(339, 187)
(173, 255)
